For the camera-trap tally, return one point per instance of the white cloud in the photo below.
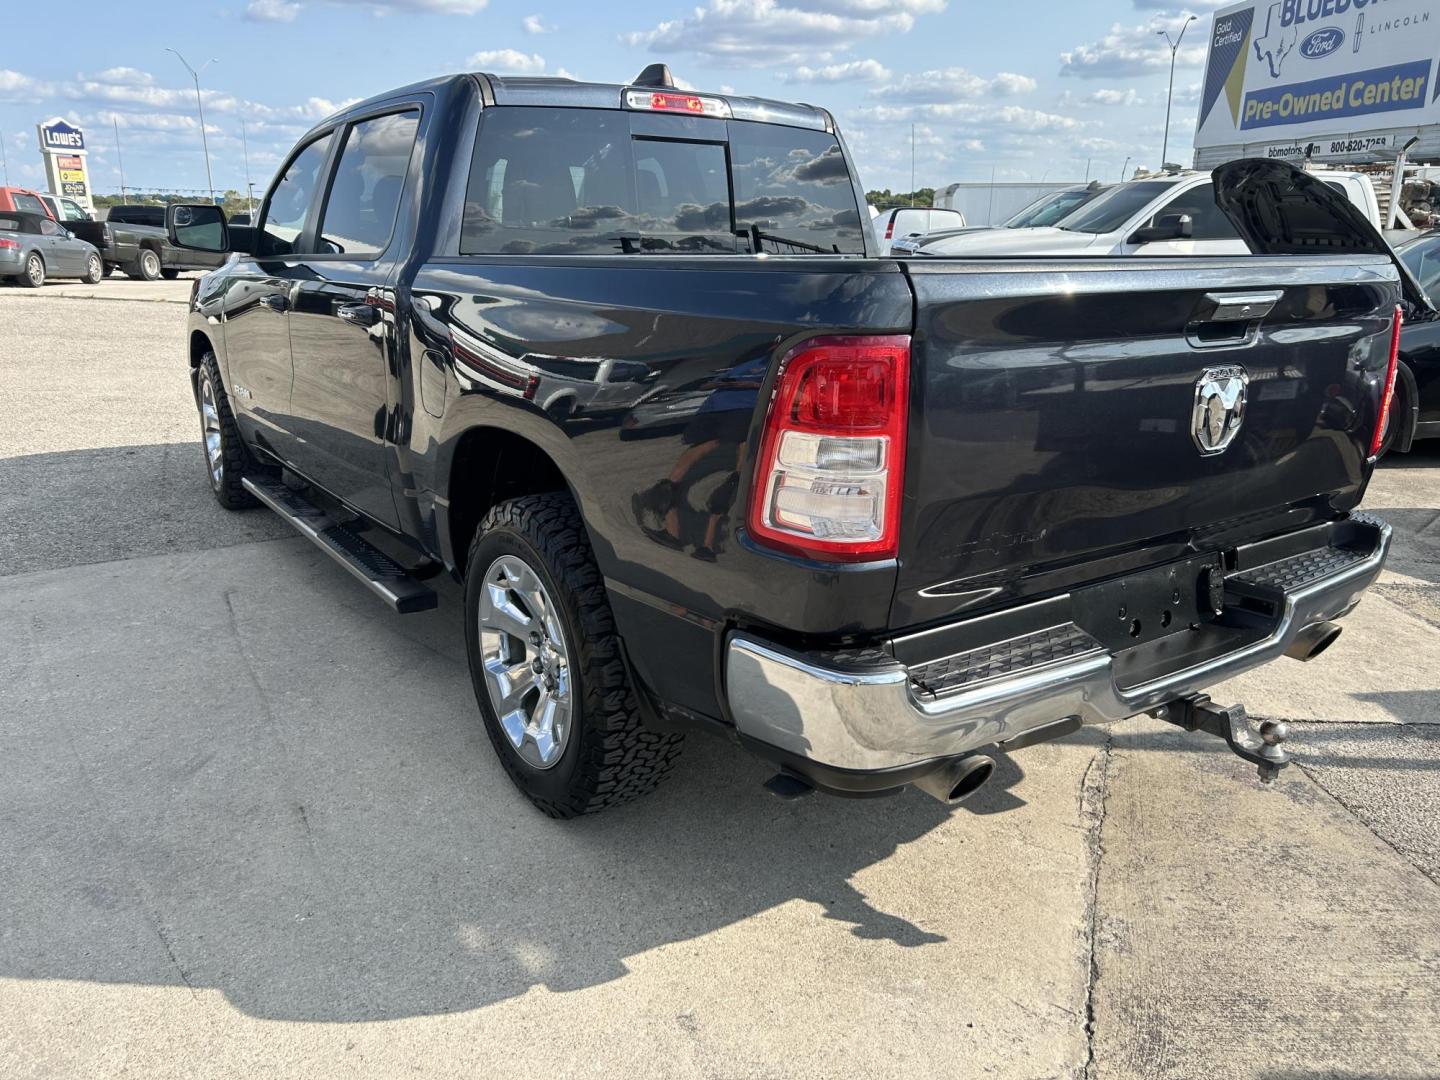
(272, 10)
(974, 116)
(761, 33)
(1128, 51)
(1128, 96)
(534, 24)
(954, 83)
(21, 89)
(851, 71)
(507, 62)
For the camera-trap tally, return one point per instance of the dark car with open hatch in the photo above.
(624, 362)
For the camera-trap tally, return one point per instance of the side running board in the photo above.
(385, 577)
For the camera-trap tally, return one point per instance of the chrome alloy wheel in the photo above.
(526, 661)
(35, 270)
(210, 428)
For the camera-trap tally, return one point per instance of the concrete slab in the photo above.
(249, 823)
(1253, 932)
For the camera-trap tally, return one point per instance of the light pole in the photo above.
(245, 148)
(200, 105)
(1124, 168)
(1174, 48)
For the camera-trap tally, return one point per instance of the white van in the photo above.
(1169, 214)
(905, 221)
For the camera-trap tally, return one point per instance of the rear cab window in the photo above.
(28, 202)
(563, 181)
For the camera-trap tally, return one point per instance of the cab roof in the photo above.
(552, 91)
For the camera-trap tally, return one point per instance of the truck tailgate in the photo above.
(1075, 420)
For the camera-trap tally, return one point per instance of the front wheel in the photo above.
(34, 275)
(94, 271)
(545, 660)
(226, 455)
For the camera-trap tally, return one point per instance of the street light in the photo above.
(200, 105)
(1174, 48)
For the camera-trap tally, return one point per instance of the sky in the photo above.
(1015, 89)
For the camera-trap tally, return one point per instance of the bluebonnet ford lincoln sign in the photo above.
(1321, 73)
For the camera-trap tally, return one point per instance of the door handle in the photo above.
(277, 302)
(358, 314)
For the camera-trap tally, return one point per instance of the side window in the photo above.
(1210, 222)
(28, 202)
(1423, 260)
(551, 182)
(289, 204)
(365, 194)
(49, 228)
(71, 211)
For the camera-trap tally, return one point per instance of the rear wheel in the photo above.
(147, 266)
(226, 456)
(94, 271)
(34, 275)
(545, 661)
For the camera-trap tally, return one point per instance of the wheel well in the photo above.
(199, 346)
(490, 466)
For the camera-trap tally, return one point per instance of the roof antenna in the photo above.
(654, 75)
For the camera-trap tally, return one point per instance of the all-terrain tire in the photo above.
(610, 757)
(235, 458)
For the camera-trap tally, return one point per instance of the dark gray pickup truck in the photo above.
(134, 240)
(623, 361)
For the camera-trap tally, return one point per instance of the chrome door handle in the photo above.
(1241, 307)
(358, 314)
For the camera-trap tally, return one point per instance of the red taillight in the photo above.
(832, 457)
(1390, 372)
(890, 227)
(9, 245)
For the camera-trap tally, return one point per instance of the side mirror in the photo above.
(198, 227)
(1166, 227)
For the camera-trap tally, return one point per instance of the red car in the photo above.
(19, 198)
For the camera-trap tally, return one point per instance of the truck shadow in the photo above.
(279, 791)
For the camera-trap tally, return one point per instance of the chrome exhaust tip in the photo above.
(1313, 640)
(955, 780)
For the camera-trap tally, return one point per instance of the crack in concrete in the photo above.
(1354, 813)
(1094, 791)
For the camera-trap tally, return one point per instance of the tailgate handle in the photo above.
(1240, 307)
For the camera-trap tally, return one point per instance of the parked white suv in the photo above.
(1171, 214)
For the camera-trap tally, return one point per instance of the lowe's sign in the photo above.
(1320, 73)
(58, 135)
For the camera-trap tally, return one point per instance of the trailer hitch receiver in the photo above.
(1256, 743)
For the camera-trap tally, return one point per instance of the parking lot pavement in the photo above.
(116, 287)
(250, 825)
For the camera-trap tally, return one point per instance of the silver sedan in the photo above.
(33, 247)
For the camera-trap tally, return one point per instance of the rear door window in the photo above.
(10, 224)
(290, 201)
(553, 181)
(365, 194)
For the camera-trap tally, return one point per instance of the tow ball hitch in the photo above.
(1256, 743)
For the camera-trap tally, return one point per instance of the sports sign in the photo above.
(1334, 78)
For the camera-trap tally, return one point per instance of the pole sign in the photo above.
(1326, 79)
(62, 145)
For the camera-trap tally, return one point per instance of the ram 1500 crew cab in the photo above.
(621, 360)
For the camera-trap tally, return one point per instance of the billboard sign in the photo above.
(1335, 78)
(58, 135)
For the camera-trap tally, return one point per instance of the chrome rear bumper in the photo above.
(874, 713)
